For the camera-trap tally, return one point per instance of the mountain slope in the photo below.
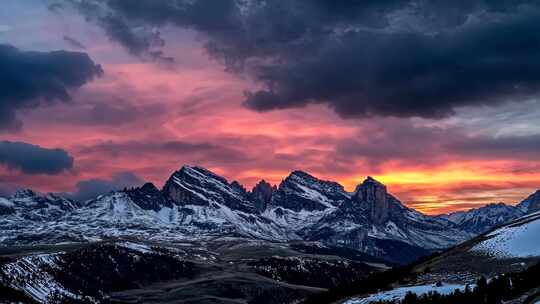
(519, 239)
(376, 222)
(511, 247)
(302, 199)
(31, 205)
(507, 256)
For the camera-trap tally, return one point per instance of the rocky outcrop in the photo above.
(262, 194)
(374, 195)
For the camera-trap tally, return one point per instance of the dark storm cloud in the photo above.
(361, 58)
(141, 42)
(30, 79)
(410, 74)
(91, 188)
(33, 159)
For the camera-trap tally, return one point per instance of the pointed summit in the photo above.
(200, 172)
(374, 195)
(200, 186)
(298, 176)
(301, 173)
(262, 194)
(304, 178)
(302, 191)
(371, 180)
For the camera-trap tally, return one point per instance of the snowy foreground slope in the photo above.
(196, 203)
(400, 293)
(520, 239)
(511, 248)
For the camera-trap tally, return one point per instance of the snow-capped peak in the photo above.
(199, 186)
(302, 191)
(370, 179)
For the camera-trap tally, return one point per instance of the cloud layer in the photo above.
(362, 59)
(31, 79)
(32, 159)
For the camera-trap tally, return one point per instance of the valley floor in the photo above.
(222, 271)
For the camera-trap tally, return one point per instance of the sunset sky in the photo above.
(438, 101)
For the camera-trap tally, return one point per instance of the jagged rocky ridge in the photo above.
(197, 203)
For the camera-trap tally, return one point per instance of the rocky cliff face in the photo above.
(374, 195)
(262, 194)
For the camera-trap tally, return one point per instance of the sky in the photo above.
(436, 99)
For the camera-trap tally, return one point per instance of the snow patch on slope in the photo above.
(399, 293)
(516, 240)
(6, 203)
(26, 275)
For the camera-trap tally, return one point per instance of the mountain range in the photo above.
(196, 203)
(203, 239)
